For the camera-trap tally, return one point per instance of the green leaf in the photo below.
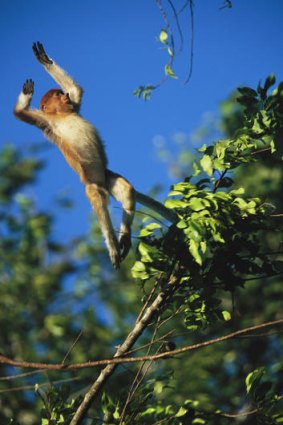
(252, 377)
(226, 315)
(181, 412)
(182, 224)
(247, 91)
(158, 387)
(175, 203)
(272, 145)
(148, 252)
(269, 82)
(169, 71)
(163, 36)
(148, 230)
(197, 204)
(194, 250)
(239, 191)
(116, 414)
(202, 148)
(148, 411)
(139, 271)
(206, 164)
(203, 245)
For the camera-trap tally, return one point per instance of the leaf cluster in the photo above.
(215, 219)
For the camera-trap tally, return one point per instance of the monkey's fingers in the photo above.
(40, 54)
(28, 87)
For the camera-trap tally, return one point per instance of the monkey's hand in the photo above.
(28, 87)
(40, 54)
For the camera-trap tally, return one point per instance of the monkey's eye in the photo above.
(58, 93)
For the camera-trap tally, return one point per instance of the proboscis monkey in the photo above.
(81, 145)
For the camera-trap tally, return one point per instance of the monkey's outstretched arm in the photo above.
(22, 108)
(58, 74)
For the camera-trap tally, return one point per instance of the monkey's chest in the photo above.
(81, 138)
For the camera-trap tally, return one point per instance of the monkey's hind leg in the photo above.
(123, 192)
(98, 198)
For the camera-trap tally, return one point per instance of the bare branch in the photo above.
(138, 329)
(119, 359)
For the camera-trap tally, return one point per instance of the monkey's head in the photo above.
(55, 101)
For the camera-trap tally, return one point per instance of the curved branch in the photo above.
(118, 360)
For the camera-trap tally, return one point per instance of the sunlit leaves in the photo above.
(264, 397)
(208, 209)
(144, 91)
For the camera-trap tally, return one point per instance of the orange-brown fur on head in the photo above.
(55, 101)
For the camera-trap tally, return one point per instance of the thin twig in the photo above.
(149, 298)
(139, 376)
(178, 25)
(156, 341)
(72, 347)
(21, 375)
(191, 42)
(44, 384)
(238, 415)
(169, 29)
(184, 7)
(167, 23)
(261, 150)
(217, 183)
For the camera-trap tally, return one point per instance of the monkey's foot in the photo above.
(115, 258)
(125, 244)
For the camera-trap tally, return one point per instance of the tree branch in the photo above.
(130, 340)
(118, 360)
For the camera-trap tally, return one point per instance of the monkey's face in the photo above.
(56, 102)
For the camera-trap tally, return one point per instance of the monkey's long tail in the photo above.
(151, 203)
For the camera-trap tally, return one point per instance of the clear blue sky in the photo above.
(110, 48)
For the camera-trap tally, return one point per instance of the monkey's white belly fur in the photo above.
(81, 137)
